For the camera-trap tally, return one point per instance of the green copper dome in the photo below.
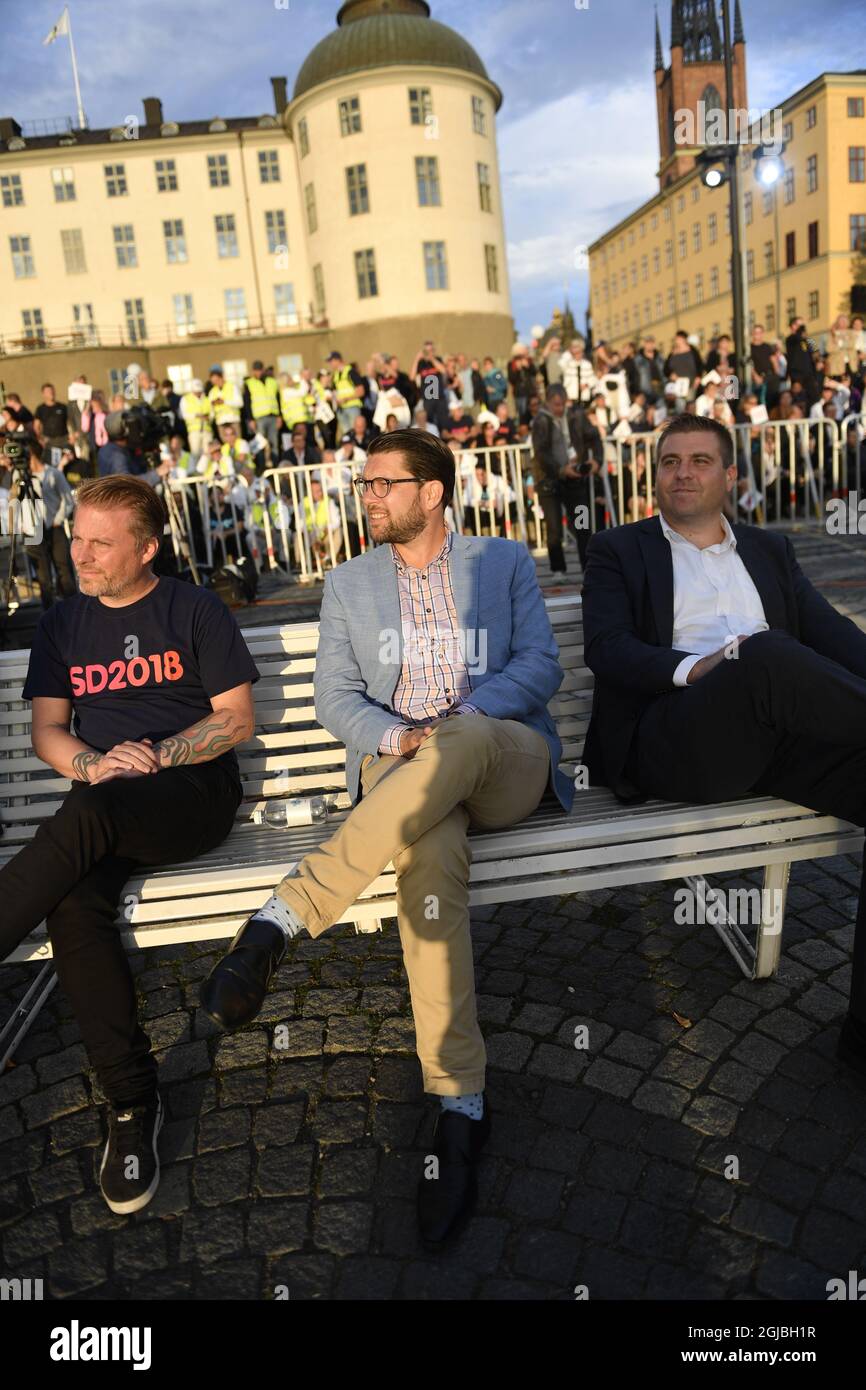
(387, 33)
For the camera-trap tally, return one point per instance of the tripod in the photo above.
(21, 494)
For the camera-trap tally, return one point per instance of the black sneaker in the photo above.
(129, 1175)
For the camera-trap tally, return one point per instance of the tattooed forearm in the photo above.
(211, 736)
(82, 763)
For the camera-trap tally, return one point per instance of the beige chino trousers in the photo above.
(472, 772)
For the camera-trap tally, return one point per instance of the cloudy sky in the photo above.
(577, 130)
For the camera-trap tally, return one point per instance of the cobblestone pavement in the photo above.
(607, 1166)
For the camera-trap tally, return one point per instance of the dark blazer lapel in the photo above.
(764, 577)
(660, 577)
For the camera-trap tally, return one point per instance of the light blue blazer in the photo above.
(510, 650)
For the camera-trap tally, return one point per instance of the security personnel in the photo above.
(294, 406)
(262, 407)
(225, 400)
(348, 391)
(196, 411)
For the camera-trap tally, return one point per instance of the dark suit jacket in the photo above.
(628, 616)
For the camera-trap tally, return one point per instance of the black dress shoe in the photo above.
(235, 989)
(446, 1202)
(851, 1047)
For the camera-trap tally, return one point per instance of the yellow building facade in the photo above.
(365, 212)
(668, 264)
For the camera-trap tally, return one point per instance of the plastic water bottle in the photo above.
(296, 810)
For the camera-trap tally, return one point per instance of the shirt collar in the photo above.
(439, 559)
(729, 543)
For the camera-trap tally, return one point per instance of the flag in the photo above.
(60, 28)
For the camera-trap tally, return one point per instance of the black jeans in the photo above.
(72, 873)
(780, 720)
(54, 546)
(550, 501)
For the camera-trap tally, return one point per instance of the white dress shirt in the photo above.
(715, 599)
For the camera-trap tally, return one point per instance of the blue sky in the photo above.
(577, 132)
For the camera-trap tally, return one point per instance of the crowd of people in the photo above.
(566, 403)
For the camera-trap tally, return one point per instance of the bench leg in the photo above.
(373, 925)
(723, 925)
(26, 1012)
(768, 945)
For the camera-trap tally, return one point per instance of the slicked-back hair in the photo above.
(427, 458)
(148, 512)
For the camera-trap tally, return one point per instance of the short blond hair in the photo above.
(149, 513)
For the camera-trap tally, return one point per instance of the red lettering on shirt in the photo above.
(93, 679)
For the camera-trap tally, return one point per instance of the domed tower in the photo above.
(393, 124)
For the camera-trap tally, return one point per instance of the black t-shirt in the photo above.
(54, 420)
(762, 357)
(146, 670)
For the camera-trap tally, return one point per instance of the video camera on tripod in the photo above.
(141, 427)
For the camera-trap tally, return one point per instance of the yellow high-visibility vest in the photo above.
(317, 521)
(347, 392)
(196, 411)
(184, 462)
(264, 399)
(225, 402)
(293, 407)
(314, 395)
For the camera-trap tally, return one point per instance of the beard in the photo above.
(405, 530)
(99, 585)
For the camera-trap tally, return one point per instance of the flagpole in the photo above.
(82, 119)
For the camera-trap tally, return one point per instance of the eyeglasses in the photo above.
(380, 487)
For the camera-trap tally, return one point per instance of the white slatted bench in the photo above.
(601, 844)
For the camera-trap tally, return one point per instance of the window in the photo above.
(790, 309)
(669, 253)
(184, 315)
(284, 306)
(319, 292)
(218, 170)
(350, 115)
(667, 212)
(712, 229)
(699, 289)
(811, 173)
(435, 265)
(491, 268)
(855, 106)
(11, 190)
(82, 317)
(631, 236)
(420, 105)
(642, 229)
(684, 295)
(622, 243)
(681, 245)
(750, 267)
(714, 281)
(365, 274)
(671, 299)
(790, 249)
(696, 236)
(479, 119)
(654, 221)
(136, 328)
(303, 138)
(657, 260)
(175, 241)
(484, 195)
(747, 209)
(813, 240)
(227, 240)
(623, 280)
(696, 192)
(767, 201)
(644, 267)
(275, 231)
(857, 231)
(427, 180)
(769, 258)
(811, 117)
(788, 131)
(64, 185)
(269, 166)
(770, 317)
(356, 185)
(115, 180)
(788, 184)
(626, 320)
(124, 246)
(22, 259)
(857, 163)
(34, 328)
(634, 272)
(310, 203)
(813, 304)
(73, 251)
(681, 203)
(658, 304)
(166, 176)
(235, 302)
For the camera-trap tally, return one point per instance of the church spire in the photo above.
(660, 62)
(739, 36)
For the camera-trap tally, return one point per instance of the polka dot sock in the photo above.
(471, 1105)
(279, 914)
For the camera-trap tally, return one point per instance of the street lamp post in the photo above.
(733, 170)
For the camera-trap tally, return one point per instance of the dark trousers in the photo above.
(550, 501)
(73, 871)
(778, 720)
(54, 547)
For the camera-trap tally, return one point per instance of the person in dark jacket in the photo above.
(801, 362)
(554, 466)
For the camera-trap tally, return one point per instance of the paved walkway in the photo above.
(607, 1167)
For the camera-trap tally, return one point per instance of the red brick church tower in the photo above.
(696, 73)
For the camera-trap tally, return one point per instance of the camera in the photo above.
(15, 450)
(144, 428)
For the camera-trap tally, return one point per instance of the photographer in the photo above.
(133, 443)
(55, 502)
